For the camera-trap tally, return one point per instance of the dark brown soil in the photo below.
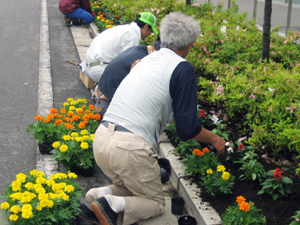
(276, 212)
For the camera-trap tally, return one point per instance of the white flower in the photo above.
(237, 27)
(229, 150)
(223, 30)
(272, 89)
(219, 89)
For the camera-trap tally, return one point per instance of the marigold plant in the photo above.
(199, 161)
(243, 213)
(217, 182)
(34, 199)
(75, 149)
(73, 115)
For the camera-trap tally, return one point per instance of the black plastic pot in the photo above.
(186, 219)
(177, 205)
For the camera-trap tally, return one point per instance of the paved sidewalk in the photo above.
(82, 39)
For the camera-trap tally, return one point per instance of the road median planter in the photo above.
(201, 211)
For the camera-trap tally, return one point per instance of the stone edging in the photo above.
(202, 211)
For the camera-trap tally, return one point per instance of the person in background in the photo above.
(117, 70)
(77, 12)
(111, 42)
(161, 86)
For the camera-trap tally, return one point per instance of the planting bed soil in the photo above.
(276, 212)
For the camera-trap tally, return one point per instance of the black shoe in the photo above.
(68, 21)
(88, 215)
(103, 211)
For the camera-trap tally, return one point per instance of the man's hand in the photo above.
(219, 144)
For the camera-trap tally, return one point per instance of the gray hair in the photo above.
(178, 30)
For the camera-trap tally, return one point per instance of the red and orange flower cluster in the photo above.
(198, 152)
(243, 205)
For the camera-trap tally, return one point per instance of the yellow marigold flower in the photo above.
(74, 134)
(13, 217)
(72, 175)
(221, 168)
(63, 148)
(44, 203)
(56, 144)
(50, 182)
(16, 185)
(26, 207)
(16, 196)
(84, 145)
(69, 188)
(5, 205)
(65, 197)
(86, 137)
(66, 103)
(59, 176)
(244, 206)
(225, 175)
(240, 199)
(53, 196)
(84, 132)
(40, 174)
(98, 17)
(66, 137)
(73, 103)
(42, 196)
(50, 204)
(21, 177)
(70, 99)
(79, 139)
(38, 118)
(72, 108)
(15, 209)
(39, 208)
(33, 172)
(40, 180)
(209, 171)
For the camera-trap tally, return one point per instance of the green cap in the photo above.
(150, 19)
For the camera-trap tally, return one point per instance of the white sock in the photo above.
(95, 193)
(116, 203)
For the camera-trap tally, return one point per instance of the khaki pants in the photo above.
(128, 161)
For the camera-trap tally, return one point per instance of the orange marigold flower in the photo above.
(86, 117)
(81, 125)
(38, 118)
(87, 111)
(63, 111)
(53, 110)
(58, 122)
(75, 117)
(240, 199)
(70, 114)
(79, 111)
(200, 153)
(196, 150)
(84, 106)
(47, 120)
(244, 206)
(97, 116)
(69, 126)
(99, 13)
(56, 115)
(205, 150)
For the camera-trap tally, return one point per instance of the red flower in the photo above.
(202, 113)
(277, 174)
(241, 147)
(116, 18)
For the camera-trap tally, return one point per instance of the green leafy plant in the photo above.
(185, 148)
(296, 218)
(75, 149)
(217, 182)
(221, 131)
(199, 161)
(33, 199)
(243, 213)
(277, 185)
(252, 169)
(171, 127)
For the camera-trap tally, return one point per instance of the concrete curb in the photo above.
(201, 211)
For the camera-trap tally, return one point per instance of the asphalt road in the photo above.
(19, 78)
